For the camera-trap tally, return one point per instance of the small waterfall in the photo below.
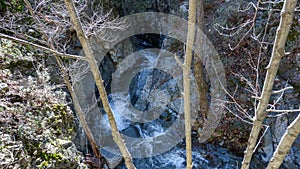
(146, 99)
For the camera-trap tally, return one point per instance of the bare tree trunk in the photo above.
(99, 83)
(286, 19)
(285, 144)
(79, 110)
(198, 66)
(204, 121)
(70, 89)
(187, 81)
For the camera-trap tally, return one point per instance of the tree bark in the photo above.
(204, 121)
(99, 83)
(285, 144)
(187, 81)
(286, 19)
(198, 66)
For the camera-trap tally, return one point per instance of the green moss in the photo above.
(44, 164)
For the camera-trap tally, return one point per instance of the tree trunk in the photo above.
(198, 66)
(204, 121)
(99, 83)
(70, 89)
(187, 81)
(286, 19)
(285, 144)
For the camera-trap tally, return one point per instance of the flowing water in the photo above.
(146, 100)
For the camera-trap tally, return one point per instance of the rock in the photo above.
(113, 160)
(289, 68)
(292, 159)
(257, 162)
(65, 143)
(183, 10)
(128, 7)
(297, 143)
(281, 124)
(267, 146)
(3, 87)
(131, 131)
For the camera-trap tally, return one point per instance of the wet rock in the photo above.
(113, 160)
(131, 131)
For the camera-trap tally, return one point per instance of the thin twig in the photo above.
(283, 111)
(282, 90)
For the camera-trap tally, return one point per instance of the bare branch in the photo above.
(261, 137)
(282, 90)
(178, 61)
(24, 42)
(236, 115)
(282, 32)
(239, 108)
(187, 81)
(283, 111)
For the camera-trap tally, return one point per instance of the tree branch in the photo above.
(285, 144)
(282, 90)
(24, 42)
(286, 20)
(187, 81)
(283, 111)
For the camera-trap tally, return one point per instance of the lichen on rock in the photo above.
(36, 123)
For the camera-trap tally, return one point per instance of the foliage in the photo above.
(13, 6)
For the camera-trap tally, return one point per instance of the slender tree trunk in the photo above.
(286, 19)
(70, 89)
(285, 144)
(205, 120)
(198, 65)
(99, 83)
(79, 110)
(187, 81)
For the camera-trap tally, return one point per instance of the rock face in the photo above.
(36, 123)
(123, 8)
